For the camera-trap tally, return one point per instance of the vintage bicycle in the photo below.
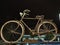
(12, 31)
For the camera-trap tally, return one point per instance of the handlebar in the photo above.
(25, 12)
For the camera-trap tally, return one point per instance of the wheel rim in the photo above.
(13, 31)
(48, 30)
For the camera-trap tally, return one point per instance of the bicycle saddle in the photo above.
(40, 16)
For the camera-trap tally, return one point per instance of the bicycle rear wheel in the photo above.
(12, 31)
(47, 30)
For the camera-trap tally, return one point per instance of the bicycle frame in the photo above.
(32, 31)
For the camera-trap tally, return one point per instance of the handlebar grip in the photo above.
(26, 11)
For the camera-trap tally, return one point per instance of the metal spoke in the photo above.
(44, 26)
(15, 32)
(16, 28)
(42, 30)
(52, 30)
(45, 31)
(7, 28)
(49, 27)
(13, 36)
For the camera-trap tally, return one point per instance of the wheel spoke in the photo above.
(45, 27)
(44, 32)
(8, 29)
(16, 32)
(52, 30)
(49, 27)
(16, 28)
(13, 37)
(41, 30)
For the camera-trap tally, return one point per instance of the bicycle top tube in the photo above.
(30, 18)
(37, 17)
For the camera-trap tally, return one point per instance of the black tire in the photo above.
(12, 31)
(47, 26)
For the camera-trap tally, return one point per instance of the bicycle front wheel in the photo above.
(12, 31)
(47, 31)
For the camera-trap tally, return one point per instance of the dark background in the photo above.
(10, 9)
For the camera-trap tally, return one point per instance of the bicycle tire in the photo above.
(18, 37)
(52, 25)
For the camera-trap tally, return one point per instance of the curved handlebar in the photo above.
(25, 12)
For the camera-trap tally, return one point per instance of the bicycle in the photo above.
(12, 31)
